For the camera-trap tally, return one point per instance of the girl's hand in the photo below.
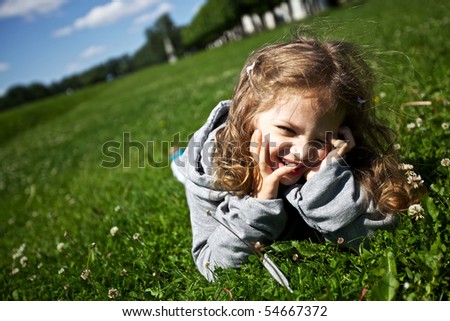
(267, 186)
(340, 148)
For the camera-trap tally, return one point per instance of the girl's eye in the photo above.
(286, 130)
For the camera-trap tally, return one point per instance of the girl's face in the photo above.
(298, 133)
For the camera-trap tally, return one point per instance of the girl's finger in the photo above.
(348, 136)
(255, 144)
(343, 146)
(264, 157)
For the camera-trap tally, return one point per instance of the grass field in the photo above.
(59, 206)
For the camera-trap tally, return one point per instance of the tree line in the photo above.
(213, 19)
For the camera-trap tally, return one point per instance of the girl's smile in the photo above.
(298, 133)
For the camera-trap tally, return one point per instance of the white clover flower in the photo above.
(445, 162)
(19, 252)
(414, 179)
(23, 261)
(416, 212)
(445, 126)
(113, 293)
(397, 146)
(117, 208)
(419, 122)
(15, 271)
(114, 230)
(85, 274)
(60, 246)
(405, 167)
(61, 270)
(411, 126)
(123, 272)
(136, 236)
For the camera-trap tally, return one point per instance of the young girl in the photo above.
(296, 154)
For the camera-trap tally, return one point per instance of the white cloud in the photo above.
(150, 16)
(4, 66)
(75, 66)
(105, 15)
(82, 61)
(92, 51)
(28, 8)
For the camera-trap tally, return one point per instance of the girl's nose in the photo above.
(308, 153)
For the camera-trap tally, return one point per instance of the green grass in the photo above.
(53, 189)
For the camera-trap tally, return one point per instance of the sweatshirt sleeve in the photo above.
(227, 235)
(333, 203)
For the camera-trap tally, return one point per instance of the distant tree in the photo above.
(20, 94)
(153, 52)
(217, 16)
(213, 18)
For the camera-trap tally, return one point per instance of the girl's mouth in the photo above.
(297, 168)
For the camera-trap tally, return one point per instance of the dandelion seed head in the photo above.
(113, 293)
(114, 230)
(445, 162)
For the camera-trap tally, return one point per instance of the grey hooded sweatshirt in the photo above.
(331, 206)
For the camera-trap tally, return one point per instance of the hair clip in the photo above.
(361, 101)
(250, 68)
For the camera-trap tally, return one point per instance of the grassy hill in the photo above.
(58, 203)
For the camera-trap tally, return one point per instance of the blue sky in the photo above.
(46, 40)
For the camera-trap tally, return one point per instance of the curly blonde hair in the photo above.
(336, 72)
